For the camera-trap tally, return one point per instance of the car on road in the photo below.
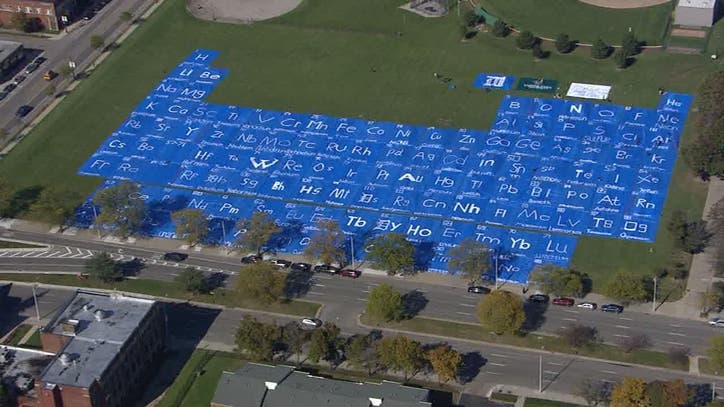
(587, 305)
(31, 68)
(612, 308)
(19, 79)
(350, 273)
(717, 322)
(3, 95)
(9, 88)
(301, 267)
(566, 302)
(252, 258)
(23, 110)
(539, 298)
(477, 289)
(281, 263)
(310, 323)
(175, 256)
(40, 60)
(325, 268)
(49, 75)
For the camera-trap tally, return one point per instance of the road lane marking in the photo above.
(621, 336)
(499, 355)
(609, 371)
(314, 293)
(676, 334)
(319, 285)
(464, 313)
(676, 343)
(623, 327)
(570, 319)
(493, 373)
(467, 305)
(496, 364)
(555, 363)
(362, 299)
(608, 381)
(675, 326)
(550, 372)
(365, 291)
(625, 319)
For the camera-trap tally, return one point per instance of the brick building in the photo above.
(48, 12)
(105, 349)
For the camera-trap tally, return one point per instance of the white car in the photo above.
(587, 305)
(717, 322)
(310, 323)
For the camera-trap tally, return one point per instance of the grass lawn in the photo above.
(581, 21)
(705, 367)
(318, 60)
(533, 402)
(532, 341)
(171, 289)
(34, 341)
(10, 244)
(14, 338)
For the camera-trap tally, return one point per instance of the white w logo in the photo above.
(263, 163)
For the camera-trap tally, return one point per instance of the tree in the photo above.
(704, 154)
(193, 280)
(564, 44)
(578, 335)
(501, 311)
(599, 49)
(261, 282)
(709, 97)
(256, 232)
(295, 338)
(525, 40)
(360, 353)
(323, 344)
(630, 44)
(327, 243)
(402, 354)
(631, 392)
(695, 238)
(191, 224)
(256, 339)
(96, 41)
(715, 352)
(445, 362)
(6, 196)
(55, 205)
(677, 223)
(65, 71)
(384, 304)
(621, 59)
(126, 16)
(103, 268)
(120, 208)
(595, 392)
(552, 279)
(626, 287)
(668, 393)
(392, 252)
(470, 258)
(19, 21)
(634, 342)
(500, 29)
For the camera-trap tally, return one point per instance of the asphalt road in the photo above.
(74, 46)
(489, 364)
(345, 298)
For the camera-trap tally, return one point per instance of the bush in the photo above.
(635, 342)
(630, 44)
(679, 355)
(525, 40)
(600, 50)
(564, 44)
(578, 335)
(500, 29)
(538, 52)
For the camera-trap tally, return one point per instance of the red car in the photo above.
(568, 302)
(350, 273)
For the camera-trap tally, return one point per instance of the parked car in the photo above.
(49, 75)
(566, 302)
(31, 68)
(19, 79)
(3, 95)
(252, 258)
(281, 263)
(612, 308)
(310, 323)
(539, 298)
(477, 289)
(717, 322)
(175, 256)
(9, 88)
(325, 268)
(40, 60)
(350, 273)
(23, 110)
(587, 305)
(301, 266)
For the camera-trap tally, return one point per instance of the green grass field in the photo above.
(581, 21)
(11, 244)
(318, 59)
(533, 402)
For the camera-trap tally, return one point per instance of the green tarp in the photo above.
(538, 85)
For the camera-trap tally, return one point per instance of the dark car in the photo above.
(281, 263)
(252, 258)
(612, 308)
(23, 110)
(301, 266)
(326, 268)
(9, 88)
(175, 256)
(3, 95)
(350, 273)
(19, 79)
(477, 289)
(31, 68)
(40, 60)
(566, 302)
(539, 298)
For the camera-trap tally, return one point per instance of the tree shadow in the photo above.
(534, 316)
(470, 366)
(158, 212)
(298, 283)
(130, 268)
(290, 231)
(412, 303)
(216, 280)
(424, 253)
(23, 199)
(220, 230)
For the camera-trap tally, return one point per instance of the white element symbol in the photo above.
(278, 186)
(263, 163)
(495, 81)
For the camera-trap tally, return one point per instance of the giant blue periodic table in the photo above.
(551, 165)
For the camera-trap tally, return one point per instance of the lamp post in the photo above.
(35, 301)
(540, 373)
(95, 220)
(351, 248)
(653, 306)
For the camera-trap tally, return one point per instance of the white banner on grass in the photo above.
(588, 91)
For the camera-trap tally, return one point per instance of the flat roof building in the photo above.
(19, 369)
(10, 53)
(695, 13)
(258, 385)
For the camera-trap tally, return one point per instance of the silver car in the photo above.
(717, 322)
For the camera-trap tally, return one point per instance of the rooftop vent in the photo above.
(69, 326)
(24, 383)
(86, 307)
(375, 401)
(65, 359)
(271, 385)
(6, 355)
(99, 315)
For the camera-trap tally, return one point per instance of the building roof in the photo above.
(249, 387)
(697, 3)
(99, 325)
(19, 366)
(7, 48)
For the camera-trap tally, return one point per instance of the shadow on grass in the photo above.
(412, 303)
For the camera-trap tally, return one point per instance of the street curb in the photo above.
(511, 347)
